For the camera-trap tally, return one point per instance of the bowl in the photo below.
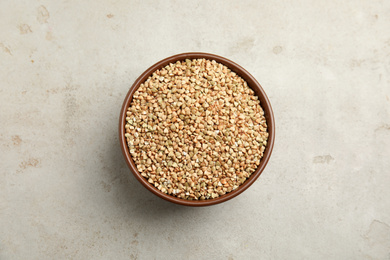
(252, 83)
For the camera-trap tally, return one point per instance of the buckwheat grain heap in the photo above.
(195, 129)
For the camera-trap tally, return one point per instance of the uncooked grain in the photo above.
(195, 129)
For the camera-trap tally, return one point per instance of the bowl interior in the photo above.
(252, 83)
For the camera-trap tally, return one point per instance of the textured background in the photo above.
(66, 192)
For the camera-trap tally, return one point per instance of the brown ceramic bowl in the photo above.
(264, 102)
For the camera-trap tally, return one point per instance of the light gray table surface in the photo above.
(66, 192)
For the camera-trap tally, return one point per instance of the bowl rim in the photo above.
(252, 83)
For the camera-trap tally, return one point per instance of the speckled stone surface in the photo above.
(66, 192)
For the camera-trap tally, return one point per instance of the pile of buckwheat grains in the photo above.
(195, 130)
